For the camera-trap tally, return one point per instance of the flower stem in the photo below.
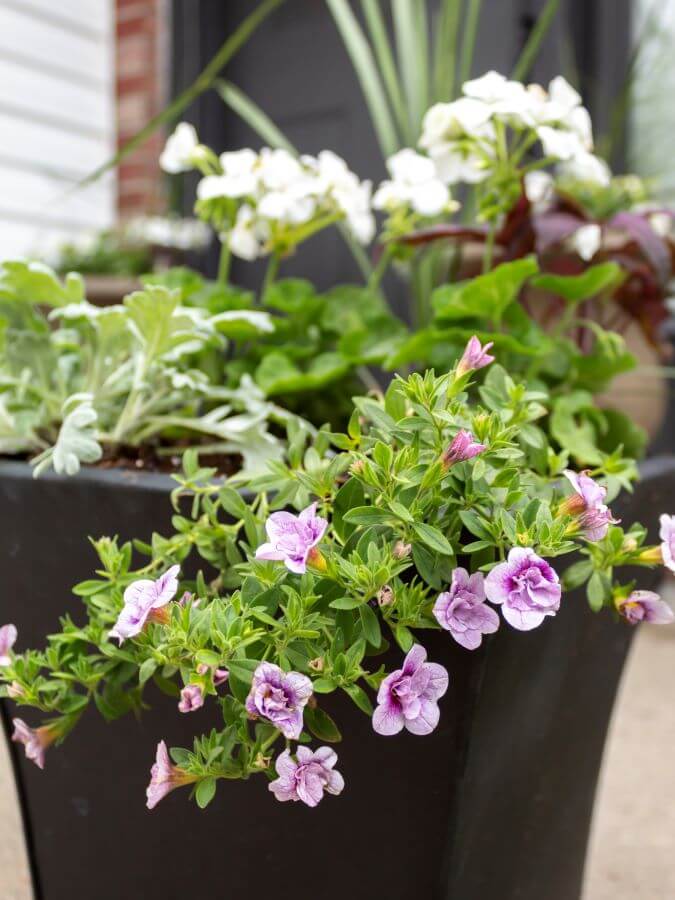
(380, 269)
(270, 275)
(224, 263)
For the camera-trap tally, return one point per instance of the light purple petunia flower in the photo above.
(645, 606)
(141, 599)
(308, 776)
(191, 698)
(279, 697)
(667, 535)
(463, 446)
(588, 503)
(34, 740)
(220, 676)
(164, 777)
(463, 611)
(8, 636)
(292, 538)
(408, 698)
(527, 587)
(475, 356)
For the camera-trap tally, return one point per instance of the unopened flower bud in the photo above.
(15, 690)
(475, 356)
(651, 555)
(385, 596)
(357, 467)
(629, 544)
(463, 447)
(262, 762)
(401, 550)
(317, 665)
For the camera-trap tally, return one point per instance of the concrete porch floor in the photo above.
(632, 849)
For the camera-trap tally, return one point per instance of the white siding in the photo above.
(57, 121)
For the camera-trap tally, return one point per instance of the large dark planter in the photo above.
(495, 805)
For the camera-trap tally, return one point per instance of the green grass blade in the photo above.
(469, 42)
(253, 115)
(202, 83)
(533, 44)
(366, 71)
(445, 50)
(379, 38)
(410, 31)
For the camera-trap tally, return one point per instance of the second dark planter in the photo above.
(495, 805)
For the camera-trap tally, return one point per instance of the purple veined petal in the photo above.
(280, 524)
(388, 719)
(283, 790)
(291, 727)
(386, 685)
(310, 787)
(140, 593)
(166, 586)
(523, 620)
(301, 684)
(297, 565)
(335, 784)
(476, 585)
(416, 657)
(438, 681)
(269, 551)
(326, 756)
(284, 764)
(304, 755)
(470, 640)
(427, 719)
(496, 583)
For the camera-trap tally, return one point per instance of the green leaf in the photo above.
(574, 288)
(359, 697)
(485, 297)
(404, 637)
(146, 670)
(530, 51)
(324, 686)
(254, 117)
(205, 792)
(321, 725)
(577, 574)
(371, 625)
(276, 374)
(433, 538)
(349, 497)
(346, 603)
(598, 591)
(368, 515)
(36, 284)
(572, 428)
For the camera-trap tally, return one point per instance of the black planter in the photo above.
(495, 805)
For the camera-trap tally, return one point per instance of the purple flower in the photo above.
(463, 612)
(645, 606)
(191, 698)
(408, 698)
(279, 697)
(588, 503)
(307, 776)
(527, 587)
(164, 777)
(220, 676)
(475, 356)
(292, 538)
(34, 740)
(8, 636)
(667, 535)
(464, 446)
(141, 600)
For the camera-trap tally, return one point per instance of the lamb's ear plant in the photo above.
(433, 511)
(78, 381)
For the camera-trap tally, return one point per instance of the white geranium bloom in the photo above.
(587, 241)
(330, 171)
(506, 98)
(240, 167)
(355, 203)
(561, 145)
(293, 206)
(539, 189)
(179, 151)
(587, 167)
(278, 169)
(463, 117)
(563, 96)
(242, 239)
(661, 223)
(455, 165)
(413, 183)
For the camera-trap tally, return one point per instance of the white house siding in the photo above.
(57, 121)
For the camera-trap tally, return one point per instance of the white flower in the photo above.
(560, 144)
(180, 150)
(240, 167)
(293, 206)
(587, 241)
(415, 183)
(661, 223)
(278, 169)
(242, 239)
(355, 203)
(539, 189)
(506, 98)
(455, 165)
(448, 121)
(330, 171)
(586, 167)
(562, 97)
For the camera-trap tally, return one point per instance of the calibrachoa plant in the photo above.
(431, 512)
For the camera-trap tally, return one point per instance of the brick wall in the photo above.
(141, 81)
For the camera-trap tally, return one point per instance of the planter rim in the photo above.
(123, 478)
(119, 477)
